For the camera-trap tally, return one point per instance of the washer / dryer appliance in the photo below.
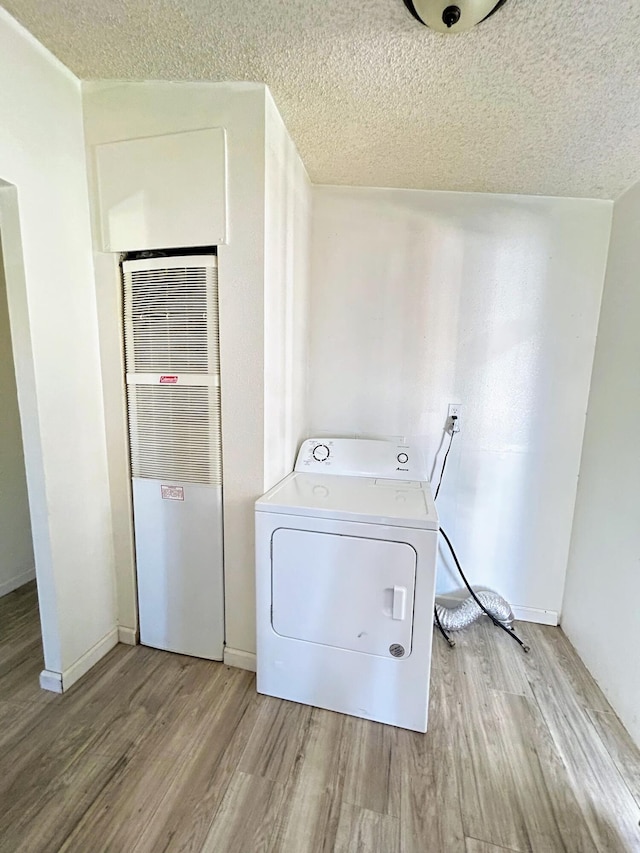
(345, 581)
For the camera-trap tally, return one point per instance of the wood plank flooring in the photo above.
(155, 752)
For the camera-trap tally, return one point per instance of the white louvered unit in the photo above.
(172, 319)
(171, 338)
(175, 432)
(172, 361)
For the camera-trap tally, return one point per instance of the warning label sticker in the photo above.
(172, 493)
(168, 380)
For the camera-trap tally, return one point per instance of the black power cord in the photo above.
(441, 629)
(495, 621)
(509, 631)
(446, 455)
(444, 465)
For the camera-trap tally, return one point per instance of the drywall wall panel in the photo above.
(420, 299)
(601, 605)
(286, 309)
(46, 238)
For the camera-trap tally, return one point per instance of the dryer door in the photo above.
(344, 591)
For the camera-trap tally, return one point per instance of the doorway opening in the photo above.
(24, 529)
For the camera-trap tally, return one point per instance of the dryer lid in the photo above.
(363, 499)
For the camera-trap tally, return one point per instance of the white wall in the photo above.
(602, 599)
(44, 219)
(420, 299)
(264, 184)
(287, 235)
(16, 550)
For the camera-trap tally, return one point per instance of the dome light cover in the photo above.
(453, 17)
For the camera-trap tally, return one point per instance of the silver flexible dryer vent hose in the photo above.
(465, 613)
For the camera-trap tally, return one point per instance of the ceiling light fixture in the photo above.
(452, 17)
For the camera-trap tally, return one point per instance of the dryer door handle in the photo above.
(399, 602)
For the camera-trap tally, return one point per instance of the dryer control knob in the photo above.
(402, 458)
(321, 452)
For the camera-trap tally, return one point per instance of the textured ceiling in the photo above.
(544, 97)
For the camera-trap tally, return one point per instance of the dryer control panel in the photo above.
(359, 457)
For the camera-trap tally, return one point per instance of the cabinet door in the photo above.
(178, 529)
(344, 591)
(163, 192)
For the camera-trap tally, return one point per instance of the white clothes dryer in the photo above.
(345, 581)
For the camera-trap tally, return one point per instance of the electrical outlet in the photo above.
(455, 416)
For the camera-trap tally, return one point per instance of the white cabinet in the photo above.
(163, 192)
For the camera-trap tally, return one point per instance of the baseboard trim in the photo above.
(239, 659)
(82, 665)
(522, 614)
(14, 583)
(534, 614)
(128, 636)
(51, 681)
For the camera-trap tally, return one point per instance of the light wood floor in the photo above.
(157, 752)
